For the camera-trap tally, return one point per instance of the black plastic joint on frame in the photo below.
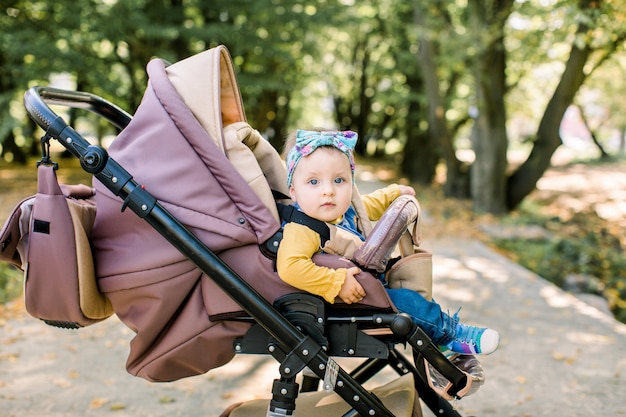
(114, 177)
(94, 159)
(303, 354)
(140, 201)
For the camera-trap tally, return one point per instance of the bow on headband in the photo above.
(309, 140)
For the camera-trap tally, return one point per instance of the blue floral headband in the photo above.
(309, 140)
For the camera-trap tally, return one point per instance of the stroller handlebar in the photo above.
(38, 98)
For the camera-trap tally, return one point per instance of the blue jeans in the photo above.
(439, 326)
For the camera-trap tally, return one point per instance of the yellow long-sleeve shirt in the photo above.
(300, 243)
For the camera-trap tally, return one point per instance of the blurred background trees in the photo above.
(454, 83)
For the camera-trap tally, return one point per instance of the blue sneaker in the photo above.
(471, 340)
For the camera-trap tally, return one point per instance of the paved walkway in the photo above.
(559, 356)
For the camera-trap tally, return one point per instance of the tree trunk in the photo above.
(352, 112)
(592, 132)
(489, 135)
(421, 154)
(548, 139)
(364, 102)
(437, 125)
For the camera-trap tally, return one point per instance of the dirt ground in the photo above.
(597, 188)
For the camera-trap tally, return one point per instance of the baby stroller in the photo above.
(190, 267)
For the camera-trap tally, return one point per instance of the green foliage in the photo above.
(583, 244)
(291, 55)
(554, 259)
(11, 283)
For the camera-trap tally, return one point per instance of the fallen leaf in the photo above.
(117, 407)
(98, 402)
(166, 399)
(62, 382)
(10, 357)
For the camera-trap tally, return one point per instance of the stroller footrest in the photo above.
(422, 345)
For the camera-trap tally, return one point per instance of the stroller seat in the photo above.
(190, 267)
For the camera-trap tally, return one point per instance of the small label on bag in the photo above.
(41, 226)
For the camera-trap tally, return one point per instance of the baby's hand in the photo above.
(351, 291)
(405, 189)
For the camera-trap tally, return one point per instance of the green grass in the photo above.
(584, 244)
(11, 283)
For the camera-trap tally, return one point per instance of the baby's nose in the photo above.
(328, 189)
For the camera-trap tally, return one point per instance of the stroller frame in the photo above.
(288, 344)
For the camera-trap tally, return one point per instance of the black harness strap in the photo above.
(291, 214)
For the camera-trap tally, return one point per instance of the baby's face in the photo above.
(322, 184)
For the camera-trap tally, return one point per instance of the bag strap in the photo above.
(47, 182)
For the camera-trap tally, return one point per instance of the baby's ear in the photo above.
(292, 194)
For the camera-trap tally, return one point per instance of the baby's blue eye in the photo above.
(313, 182)
(339, 180)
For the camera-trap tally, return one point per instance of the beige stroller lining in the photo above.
(216, 103)
(397, 395)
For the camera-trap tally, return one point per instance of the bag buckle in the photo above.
(45, 152)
